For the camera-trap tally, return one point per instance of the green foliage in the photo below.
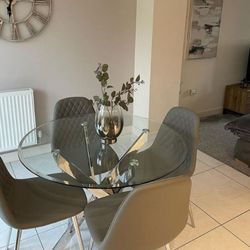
(123, 97)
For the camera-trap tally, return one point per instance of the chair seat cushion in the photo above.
(43, 202)
(100, 213)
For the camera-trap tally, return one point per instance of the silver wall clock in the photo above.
(23, 19)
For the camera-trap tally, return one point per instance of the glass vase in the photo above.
(108, 123)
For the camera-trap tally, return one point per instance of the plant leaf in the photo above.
(96, 98)
(99, 76)
(123, 86)
(130, 99)
(113, 94)
(105, 76)
(138, 78)
(105, 67)
(117, 99)
(106, 102)
(105, 96)
(131, 79)
(123, 105)
(104, 83)
(110, 86)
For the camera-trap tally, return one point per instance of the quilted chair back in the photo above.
(6, 188)
(68, 135)
(186, 123)
(73, 107)
(69, 132)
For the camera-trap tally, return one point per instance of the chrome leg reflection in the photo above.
(9, 236)
(18, 239)
(78, 232)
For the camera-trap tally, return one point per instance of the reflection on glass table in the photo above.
(69, 151)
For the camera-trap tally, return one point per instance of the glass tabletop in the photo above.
(68, 151)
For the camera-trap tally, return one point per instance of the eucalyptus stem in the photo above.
(123, 97)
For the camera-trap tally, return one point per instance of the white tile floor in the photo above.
(220, 202)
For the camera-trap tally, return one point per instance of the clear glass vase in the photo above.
(108, 123)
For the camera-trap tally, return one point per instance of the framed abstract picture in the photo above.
(204, 28)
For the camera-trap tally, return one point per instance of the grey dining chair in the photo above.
(35, 202)
(73, 107)
(70, 133)
(68, 136)
(146, 218)
(186, 123)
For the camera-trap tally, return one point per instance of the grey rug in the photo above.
(218, 142)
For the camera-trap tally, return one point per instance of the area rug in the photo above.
(218, 142)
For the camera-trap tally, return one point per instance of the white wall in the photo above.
(61, 60)
(210, 76)
(143, 51)
(167, 53)
(160, 55)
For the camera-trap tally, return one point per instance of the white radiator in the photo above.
(17, 117)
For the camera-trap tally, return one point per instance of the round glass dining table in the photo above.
(68, 151)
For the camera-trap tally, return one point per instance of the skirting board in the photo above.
(210, 112)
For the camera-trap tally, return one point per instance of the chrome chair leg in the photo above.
(9, 236)
(18, 239)
(70, 226)
(78, 232)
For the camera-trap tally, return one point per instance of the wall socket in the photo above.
(193, 91)
(190, 92)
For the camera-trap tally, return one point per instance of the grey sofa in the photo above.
(241, 128)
